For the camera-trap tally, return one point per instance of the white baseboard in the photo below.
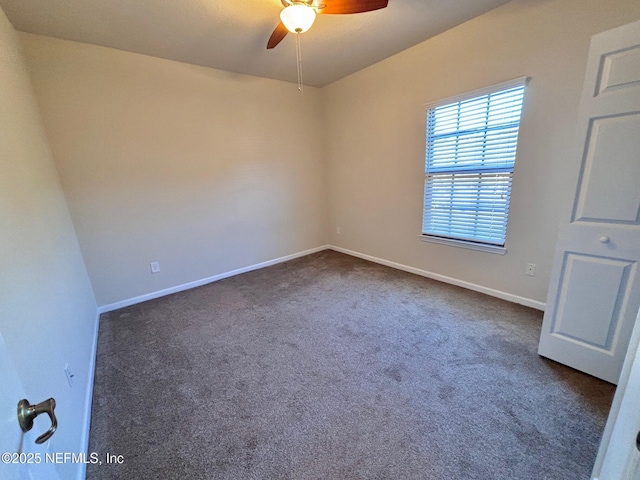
(528, 302)
(82, 474)
(204, 281)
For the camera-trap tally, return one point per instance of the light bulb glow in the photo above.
(298, 18)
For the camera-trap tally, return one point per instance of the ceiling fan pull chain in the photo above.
(299, 62)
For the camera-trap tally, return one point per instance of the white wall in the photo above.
(47, 307)
(202, 170)
(376, 137)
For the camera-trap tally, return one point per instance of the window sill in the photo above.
(462, 244)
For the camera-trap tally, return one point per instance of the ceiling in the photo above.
(232, 34)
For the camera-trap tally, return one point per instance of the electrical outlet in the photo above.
(155, 267)
(530, 270)
(338, 231)
(69, 375)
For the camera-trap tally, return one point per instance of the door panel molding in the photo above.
(618, 70)
(600, 171)
(605, 273)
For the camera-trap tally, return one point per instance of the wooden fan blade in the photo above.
(276, 37)
(339, 7)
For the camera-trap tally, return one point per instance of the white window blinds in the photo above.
(470, 155)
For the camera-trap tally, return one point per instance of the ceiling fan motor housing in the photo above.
(299, 15)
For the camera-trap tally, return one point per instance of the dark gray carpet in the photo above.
(331, 367)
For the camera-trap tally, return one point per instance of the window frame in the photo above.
(466, 243)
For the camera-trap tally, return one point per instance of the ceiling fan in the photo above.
(299, 15)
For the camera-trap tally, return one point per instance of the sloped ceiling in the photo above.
(232, 34)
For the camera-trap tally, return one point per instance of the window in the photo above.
(470, 155)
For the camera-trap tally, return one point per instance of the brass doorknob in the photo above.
(27, 412)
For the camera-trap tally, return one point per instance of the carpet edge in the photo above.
(527, 302)
(203, 281)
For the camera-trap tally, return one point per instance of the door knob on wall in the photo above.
(604, 239)
(27, 412)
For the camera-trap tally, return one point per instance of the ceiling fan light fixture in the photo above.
(298, 18)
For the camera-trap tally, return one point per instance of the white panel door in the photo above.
(32, 464)
(594, 290)
(619, 453)
(10, 434)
